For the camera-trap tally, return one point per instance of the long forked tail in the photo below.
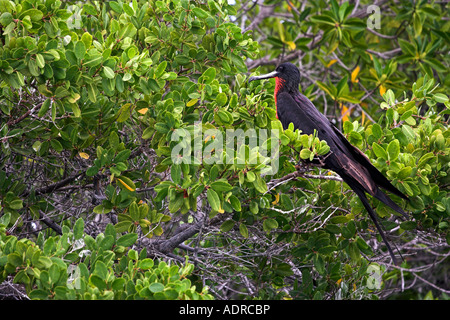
(388, 201)
(373, 216)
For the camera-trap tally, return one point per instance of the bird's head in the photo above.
(287, 77)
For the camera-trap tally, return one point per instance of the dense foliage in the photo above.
(97, 97)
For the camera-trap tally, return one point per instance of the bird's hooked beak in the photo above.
(273, 74)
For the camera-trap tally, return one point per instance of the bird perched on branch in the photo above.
(346, 160)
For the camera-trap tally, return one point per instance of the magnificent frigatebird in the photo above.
(346, 160)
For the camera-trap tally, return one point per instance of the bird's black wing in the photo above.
(378, 177)
(303, 114)
(346, 160)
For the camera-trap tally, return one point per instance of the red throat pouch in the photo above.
(278, 85)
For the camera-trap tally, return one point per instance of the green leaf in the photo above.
(221, 99)
(404, 173)
(128, 9)
(39, 294)
(109, 73)
(235, 203)
(54, 273)
(379, 151)
(209, 75)
(80, 50)
(127, 240)
(440, 97)
(176, 203)
(16, 204)
(393, 150)
(425, 158)
(56, 145)
(200, 13)
(221, 186)
(435, 64)
(15, 259)
(408, 225)
(175, 173)
(97, 282)
(305, 154)
(284, 270)
(40, 61)
(156, 287)
(227, 225)
(323, 19)
(327, 250)
(239, 63)
(78, 229)
(213, 199)
(243, 230)
(6, 18)
(182, 59)
(251, 176)
(107, 242)
(146, 264)
(115, 6)
(270, 224)
(44, 108)
(91, 93)
(160, 69)
(118, 284)
(34, 14)
(260, 184)
(93, 61)
(417, 24)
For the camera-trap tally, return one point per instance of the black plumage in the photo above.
(346, 160)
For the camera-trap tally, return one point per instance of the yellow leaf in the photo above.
(355, 74)
(191, 103)
(354, 287)
(339, 281)
(363, 115)
(209, 137)
(125, 185)
(83, 155)
(331, 63)
(382, 90)
(291, 45)
(143, 111)
(74, 98)
(221, 210)
(344, 113)
(277, 199)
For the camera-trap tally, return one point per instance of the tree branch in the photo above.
(54, 186)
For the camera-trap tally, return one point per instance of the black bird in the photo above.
(346, 160)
